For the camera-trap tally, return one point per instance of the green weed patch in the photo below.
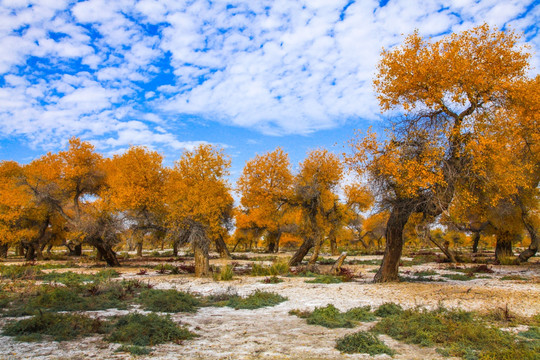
(364, 343)
(170, 301)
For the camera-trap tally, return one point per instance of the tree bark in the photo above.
(107, 254)
(30, 253)
(333, 245)
(446, 251)
(139, 248)
(77, 250)
(278, 238)
(503, 249)
(316, 251)
(476, 240)
(336, 268)
(221, 247)
(4, 251)
(202, 264)
(394, 244)
(20, 249)
(302, 251)
(533, 234)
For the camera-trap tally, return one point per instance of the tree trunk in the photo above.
(4, 251)
(139, 248)
(30, 253)
(336, 268)
(476, 240)
(77, 250)
(333, 245)
(316, 251)
(302, 251)
(49, 248)
(394, 244)
(222, 249)
(107, 254)
(278, 238)
(446, 251)
(175, 248)
(20, 249)
(39, 253)
(503, 249)
(202, 264)
(533, 234)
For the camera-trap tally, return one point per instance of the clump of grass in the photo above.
(460, 277)
(364, 262)
(134, 349)
(455, 333)
(508, 260)
(147, 330)
(325, 279)
(532, 333)
(513, 277)
(272, 280)
(256, 300)
(330, 317)
(59, 326)
(171, 301)
(364, 343)
(388, 309)
(277, 268)
(226, 273)
(425, 273)
(67, 278)
(167, 268)
(22, 272)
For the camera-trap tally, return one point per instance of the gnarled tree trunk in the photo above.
(394, 244)
(302, 251)
(503, 249)
(221, 247)
(4, 250)
(106, 252)
(476, 240)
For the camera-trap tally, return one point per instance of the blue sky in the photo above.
(247, 75)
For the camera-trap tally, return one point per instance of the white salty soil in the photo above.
(271, 333)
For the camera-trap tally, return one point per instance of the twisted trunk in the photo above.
(4, 250)
(302, 251)
(106, 253)
(394, 244)
(221, 247)
(476, 240)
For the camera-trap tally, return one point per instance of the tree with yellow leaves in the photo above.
(69, 184)
(265, 185)
(452, 92)
(199, 202)
(135, 186)
(315, 188)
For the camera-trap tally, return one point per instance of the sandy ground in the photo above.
(271, 333)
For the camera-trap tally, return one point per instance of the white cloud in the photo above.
(114, 71)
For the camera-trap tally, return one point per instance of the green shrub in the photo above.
(59, 326)
(277, 268)
(325, 279)
(508, 260)
(68, 278)
(388, 309)
(147, 330)
(360, 314)
(513, 277)
(459, 277)
(532, 333)
(362, 342)
(134, 349)
(256, 300)
(20, 272)
(330, 317)
(272, 280)
(226, 273)
(171, 301)
(456, 333)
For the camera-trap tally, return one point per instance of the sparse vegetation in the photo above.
(364, 343)
(454, 333)
(326, 279)
(256, 300)
(170, 301)
(330, 317)
(147, 330)
(388, 309)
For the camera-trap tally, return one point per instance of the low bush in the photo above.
(147, 330)
(455, 333)
(23, 272)
(59, 326)
(325, 279)
(330, 317)
(364, 343)
(460, 277)
(388, 309)
(171, 301)
(277, 268)
(272, 280)
(508, 260)
(256, 300)
(134, 349)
